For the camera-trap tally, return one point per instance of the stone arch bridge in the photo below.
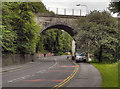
(62, 22)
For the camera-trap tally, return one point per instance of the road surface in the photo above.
(53, 72)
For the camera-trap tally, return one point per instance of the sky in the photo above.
(86, 6)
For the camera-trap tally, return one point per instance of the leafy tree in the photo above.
(118, 45)
(21, 31)
(114, 7)
(99, 35)
(9, 36)
(39, 46)
(19, 26)
(57, 41)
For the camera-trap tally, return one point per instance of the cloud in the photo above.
(77, 0)
(99, 5)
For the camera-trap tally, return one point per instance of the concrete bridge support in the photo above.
(73, 49)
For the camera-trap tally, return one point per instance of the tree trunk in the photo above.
(88, 56)
(100, 54)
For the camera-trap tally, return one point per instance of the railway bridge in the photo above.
(61, 22)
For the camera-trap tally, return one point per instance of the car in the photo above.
(80, 57)
(68, 53)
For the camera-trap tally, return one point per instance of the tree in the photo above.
(57, 41)
(99, 35)
(40, 44)
(20, 30)
(114, 7)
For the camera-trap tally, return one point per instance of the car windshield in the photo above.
(77, 54)
(82, 54)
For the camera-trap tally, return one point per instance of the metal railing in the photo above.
(66, 11)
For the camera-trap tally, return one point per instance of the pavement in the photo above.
(54, 71)
(88, 76)
(19, 66)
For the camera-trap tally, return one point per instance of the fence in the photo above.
(66, 11)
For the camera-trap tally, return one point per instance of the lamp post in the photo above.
(87, 12)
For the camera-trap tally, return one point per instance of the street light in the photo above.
(87, 12)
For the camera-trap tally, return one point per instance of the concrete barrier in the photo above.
(15, 59)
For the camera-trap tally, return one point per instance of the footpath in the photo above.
(87, 77)
(19, 66)
(15, 67)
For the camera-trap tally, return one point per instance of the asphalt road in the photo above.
(54, 72)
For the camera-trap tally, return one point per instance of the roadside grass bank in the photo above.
(109, 73)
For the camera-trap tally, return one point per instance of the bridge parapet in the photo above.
(46, 19)
(57, 15)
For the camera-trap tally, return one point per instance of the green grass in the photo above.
(109, 73)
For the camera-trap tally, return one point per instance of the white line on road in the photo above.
(27, 76)
(24, 77)
(53, 65)
(43, 71)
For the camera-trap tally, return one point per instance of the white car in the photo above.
(80, 57)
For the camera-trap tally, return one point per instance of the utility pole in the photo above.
(80, 12)
(64, 11)
(72, 11)
(56, 10)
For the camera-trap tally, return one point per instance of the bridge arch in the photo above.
(61, 26)
(65, 27)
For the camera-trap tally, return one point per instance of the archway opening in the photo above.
(64, 27)
(58, 39)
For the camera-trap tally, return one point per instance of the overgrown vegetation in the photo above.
(19, 28)
(115, 7)
(57, 41)
(98, 35)
(20, 31)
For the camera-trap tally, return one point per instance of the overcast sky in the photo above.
(99, 5)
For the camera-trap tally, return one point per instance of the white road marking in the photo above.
(27, 76)
(43, 71)
(24, 77)
(53, 65)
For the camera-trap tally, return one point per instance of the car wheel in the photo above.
(84, 60)
(77, 61)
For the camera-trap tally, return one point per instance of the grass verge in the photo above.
(109, 73)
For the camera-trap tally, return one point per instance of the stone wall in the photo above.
(15, 59)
